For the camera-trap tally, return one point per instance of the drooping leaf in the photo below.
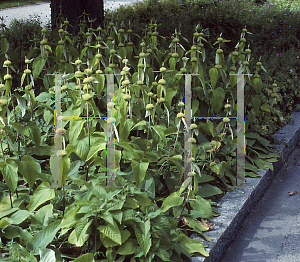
(47, 255)
(10, 174)
(28, 168)
(171, 201)
(44, 237)
(33, 132)
(42, 194)
(88, 257)
(202, 207)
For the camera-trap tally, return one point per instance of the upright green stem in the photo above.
(147, 138)
(176, 137)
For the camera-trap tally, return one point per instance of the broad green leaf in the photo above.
(33, 132)
(111, 232)
(201, 206)
(4, 45)
(43, 97)
(208, 190)
(75, 241)
(144, 241)
(76, 126)
(195, 106)
(22, 103)
(38, 67)
(215, 167)
(163, 254)
(8, 212)
(42, 194)
(217, 99)
(5, 221)
(185, 184)
(95, 149)
(141, 123)
(159, 131)
(171, 201)
(5, 204)
(82, 148)
(19, 216)
(10, 174)
(127, 248)
(192, 245)
(139, 170)
(265, 107)
(28, 168)
(41, 217)
(65, 170)
(81, 227)
(47, 255)
(12, 231)
(88, 257)
(43, 237)
(213, 73)
(59, 52)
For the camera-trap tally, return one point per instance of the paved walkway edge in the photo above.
(235, 206)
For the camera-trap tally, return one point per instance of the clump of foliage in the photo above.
(56, 202)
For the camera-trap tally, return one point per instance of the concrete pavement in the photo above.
(261, 222)
(44, 11)
(272, 231)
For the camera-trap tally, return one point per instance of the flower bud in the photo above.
(7, 77)
(3, 102)
(226, 120)
(98, 56)
(126, 97)
(7, 63)
(110, 104)
(111, 120)
(162, 82)
(179, 115)
(194, 126)
(61, 153)
(150, 107)
(181, 104)
(218, 66)
(27, 71)
(125, 82)
(191, 173)
(88, 71)
(87, 97)
(219, 51)
(162, 69)
(78, 74)
(160, 100)
(78, 62)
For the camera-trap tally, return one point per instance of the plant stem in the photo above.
(147, 138)
(176, 137)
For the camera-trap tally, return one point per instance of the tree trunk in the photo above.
(72, 9)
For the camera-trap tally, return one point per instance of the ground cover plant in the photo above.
(147, 218)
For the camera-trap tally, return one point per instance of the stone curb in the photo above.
(235, 206)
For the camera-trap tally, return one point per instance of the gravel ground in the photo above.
(43, 10)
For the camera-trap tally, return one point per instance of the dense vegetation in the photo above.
(144, 217)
